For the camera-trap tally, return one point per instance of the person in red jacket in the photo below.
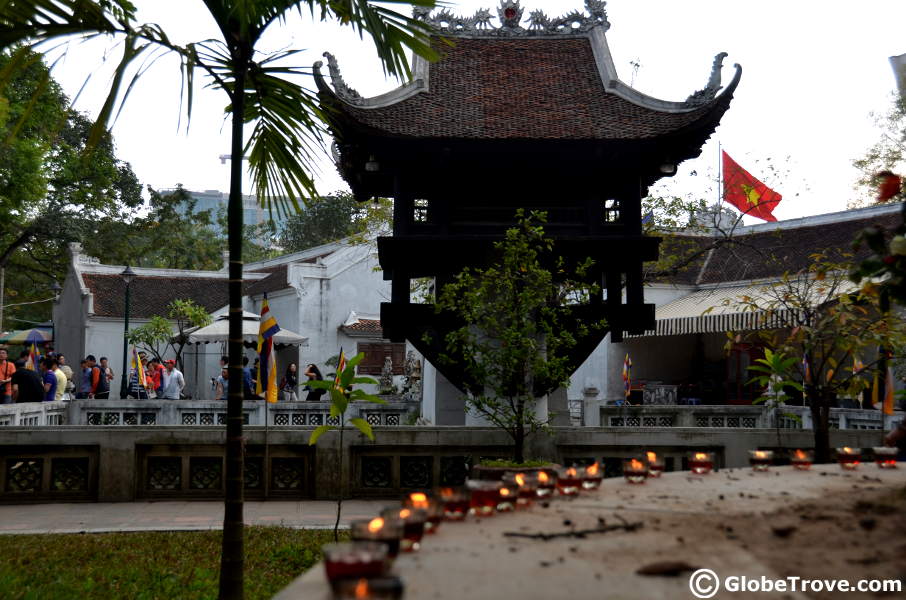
(155, 376)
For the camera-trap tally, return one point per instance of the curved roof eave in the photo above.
(347, 95)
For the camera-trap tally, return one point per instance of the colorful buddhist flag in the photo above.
(34, 358)
(138, 368)
(806, 370)
(627, 375)
(267, 362)
(887, 409)
(746, 193)
(341, 365)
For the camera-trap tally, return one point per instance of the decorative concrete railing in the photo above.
(213, 412)
(116, 463)
(31, 414)
(742, 417)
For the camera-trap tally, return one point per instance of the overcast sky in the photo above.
(812, 74)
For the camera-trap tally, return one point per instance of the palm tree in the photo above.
(288, 128)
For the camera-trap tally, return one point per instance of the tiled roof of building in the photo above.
(150, 296)
(530, 88)
(364, 326)
(768, 254)
(276, 280)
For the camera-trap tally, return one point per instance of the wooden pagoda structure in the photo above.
(528, 112)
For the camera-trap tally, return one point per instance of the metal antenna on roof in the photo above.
(635, 70)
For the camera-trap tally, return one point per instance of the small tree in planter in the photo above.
(341, 394)
(515, 336)
(157, 335)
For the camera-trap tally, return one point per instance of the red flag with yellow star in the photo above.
(746, 193)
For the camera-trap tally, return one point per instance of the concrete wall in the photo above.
(118, 450)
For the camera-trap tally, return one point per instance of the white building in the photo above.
(324, 293)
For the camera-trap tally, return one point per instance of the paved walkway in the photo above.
(104, 517)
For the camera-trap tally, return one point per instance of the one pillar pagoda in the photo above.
(527, 112)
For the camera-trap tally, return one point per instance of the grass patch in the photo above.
(153, 564)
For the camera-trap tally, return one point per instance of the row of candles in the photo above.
(358, 569)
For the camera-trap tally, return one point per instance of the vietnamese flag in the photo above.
(746, 193)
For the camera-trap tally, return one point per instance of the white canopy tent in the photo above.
(218, 331)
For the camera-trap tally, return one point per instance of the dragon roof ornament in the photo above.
(509, 15)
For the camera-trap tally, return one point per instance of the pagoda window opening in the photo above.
(611, 213)
(421, 211)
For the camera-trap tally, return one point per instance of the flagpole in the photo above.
(720, 182)
(267, 408)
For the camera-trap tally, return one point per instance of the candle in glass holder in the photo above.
(802, 459)
(635, 470)
(569, 480)
(413, 525)
(455, 501)
(849, 458)
(430, 505)
(655, 464)
(380, 588)
(485, 496)
(527, 483)
(508, 494)
(354, 560)
(885, 457)
(547, 482)
(593, 476)
(701, 463)
(387, 531)
(761, 460)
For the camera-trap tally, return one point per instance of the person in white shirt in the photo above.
(172, 381)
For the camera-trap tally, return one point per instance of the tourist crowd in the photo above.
(36, 378)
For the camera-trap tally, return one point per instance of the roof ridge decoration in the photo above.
(709, 92)
(509, 14)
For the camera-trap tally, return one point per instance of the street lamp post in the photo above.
(128, 276)
(56, 288)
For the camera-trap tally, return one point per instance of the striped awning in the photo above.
(716, 310)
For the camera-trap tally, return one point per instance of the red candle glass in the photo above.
(802, 459)
(508, 495)
(761, 460)
(701, 463)
(569, 480)
(885, 457)
(381, 588)
(413, 525)
(386, 531)
(849, 458)
(485, 496)
(655, 464)
(455, 501)
(431, 505)
(547, 482)
(354, 560)
(527, 483)
(594, 474)
(635, 470)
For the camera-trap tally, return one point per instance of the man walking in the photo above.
(6, 372)
(61, 380)
(48, 364)
(172, 381)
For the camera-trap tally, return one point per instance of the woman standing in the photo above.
(290, 383)
(313, 374)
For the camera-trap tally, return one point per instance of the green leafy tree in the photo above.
(514, 340)
(776, 369)
(341, 394)
(51, 190)
(331, 218)
(171, 234)
(887, 154)
(262, 90)
(820, 323)
(162, 334)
